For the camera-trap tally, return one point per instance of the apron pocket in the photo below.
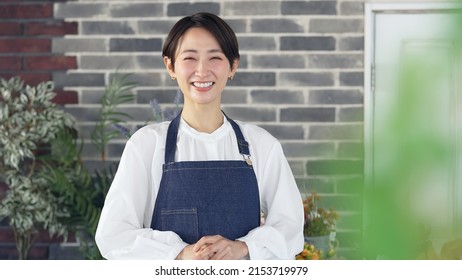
(182, 221)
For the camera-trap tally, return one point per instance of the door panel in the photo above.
(415, 78)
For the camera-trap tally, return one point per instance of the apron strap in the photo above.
(172, 132)
(242, 144)
(170, 145)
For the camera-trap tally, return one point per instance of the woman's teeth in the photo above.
(203, 85)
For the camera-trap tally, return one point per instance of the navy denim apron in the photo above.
(200, 198)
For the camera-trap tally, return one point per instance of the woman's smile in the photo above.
(203, 86)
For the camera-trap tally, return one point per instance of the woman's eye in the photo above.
(189, 58)
(216, 57)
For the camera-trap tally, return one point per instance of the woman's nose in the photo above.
(202, 68)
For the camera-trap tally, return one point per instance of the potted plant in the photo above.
(310, 252)
(29, 124)
(319, 228)
(40, 160)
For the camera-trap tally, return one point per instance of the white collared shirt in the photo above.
(124, 228)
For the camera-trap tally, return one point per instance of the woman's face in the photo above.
(201, 68)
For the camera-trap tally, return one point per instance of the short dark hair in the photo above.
(215, 25)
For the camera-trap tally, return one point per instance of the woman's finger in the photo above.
(205, 241)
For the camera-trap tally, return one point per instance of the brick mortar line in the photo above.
(332, 124)
(242, 70)
(301, 17)
(315, 141)
(305, 176)
(158, 69)
(234, 105)
(242, 35)
(282, 141)
(306, 89)
(242, 52)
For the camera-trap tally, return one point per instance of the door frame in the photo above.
(371, 10)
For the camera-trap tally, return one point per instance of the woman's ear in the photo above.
(169, 66)
(234, 68)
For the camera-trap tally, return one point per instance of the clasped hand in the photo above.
(214, 247)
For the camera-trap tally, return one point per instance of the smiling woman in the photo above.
(201, 68)
(195, 187)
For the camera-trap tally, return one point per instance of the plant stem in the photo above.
(23, 243)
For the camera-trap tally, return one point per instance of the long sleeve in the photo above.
(124, 231)
(281, 237)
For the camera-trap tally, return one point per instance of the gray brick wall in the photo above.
(300, 77)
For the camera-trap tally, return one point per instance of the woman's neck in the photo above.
(203, 120)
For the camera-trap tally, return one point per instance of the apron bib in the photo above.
(200, 198)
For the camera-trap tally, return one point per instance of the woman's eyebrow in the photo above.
(196, 51)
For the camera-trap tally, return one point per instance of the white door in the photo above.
(413, 88)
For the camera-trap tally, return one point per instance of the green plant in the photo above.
(117, 92)
(74, 185)
(318, 221)
(29, 123)
(53, 190)
(82, 190)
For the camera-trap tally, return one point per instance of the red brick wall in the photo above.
(27, 29)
